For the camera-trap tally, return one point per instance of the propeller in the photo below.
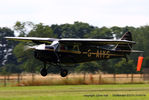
(35, 47)
(53, 45)
(27, 47)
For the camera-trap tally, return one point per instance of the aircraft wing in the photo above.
(36, 40)
(96, 41)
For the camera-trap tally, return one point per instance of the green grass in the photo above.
(76, 92)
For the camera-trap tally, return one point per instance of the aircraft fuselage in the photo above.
(76, 54)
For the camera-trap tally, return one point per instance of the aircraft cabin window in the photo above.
(69, 47)
(76, 48)
(62, 47)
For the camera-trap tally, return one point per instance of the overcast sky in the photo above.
(95, 12)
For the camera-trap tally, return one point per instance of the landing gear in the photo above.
(43, 71)
(126, 58)
(64, 72)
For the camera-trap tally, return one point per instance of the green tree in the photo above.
(5, 46)
(23, 28)
(125, 67)
(76, 30)
(88, 67)
(7, 59)
(40, 30)
(25, 58)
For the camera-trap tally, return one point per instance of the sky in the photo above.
(95, 12)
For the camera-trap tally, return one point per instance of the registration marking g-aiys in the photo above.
(99, 54)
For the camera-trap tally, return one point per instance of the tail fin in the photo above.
(126, 36)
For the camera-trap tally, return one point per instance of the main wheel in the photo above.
(43, 72)
(64, 72)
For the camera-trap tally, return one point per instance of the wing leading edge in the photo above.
(98, 41)
(70, 40)
(33, 39)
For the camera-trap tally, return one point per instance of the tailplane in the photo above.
(127, 49)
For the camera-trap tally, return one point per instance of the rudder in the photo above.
(127, 36)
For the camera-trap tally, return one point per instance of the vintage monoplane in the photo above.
(72, 50)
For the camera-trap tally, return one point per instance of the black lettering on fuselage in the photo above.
(99, 54)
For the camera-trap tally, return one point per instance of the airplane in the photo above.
(76, 50)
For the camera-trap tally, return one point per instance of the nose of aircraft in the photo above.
(40, 47)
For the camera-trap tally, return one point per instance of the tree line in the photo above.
(14, 59)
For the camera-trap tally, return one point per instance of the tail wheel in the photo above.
(43, 72)
(64, 72)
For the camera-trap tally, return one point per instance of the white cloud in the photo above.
(95, 12)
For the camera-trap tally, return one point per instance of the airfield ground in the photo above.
(71, 79)
(77, 92)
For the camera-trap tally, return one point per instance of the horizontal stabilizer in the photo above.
(130, 51)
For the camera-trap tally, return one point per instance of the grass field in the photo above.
(77, 92)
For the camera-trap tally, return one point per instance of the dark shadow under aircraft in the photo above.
(70, 51)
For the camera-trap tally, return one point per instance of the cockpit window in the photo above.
(62, 47)
(69, 47)
(76, 47)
